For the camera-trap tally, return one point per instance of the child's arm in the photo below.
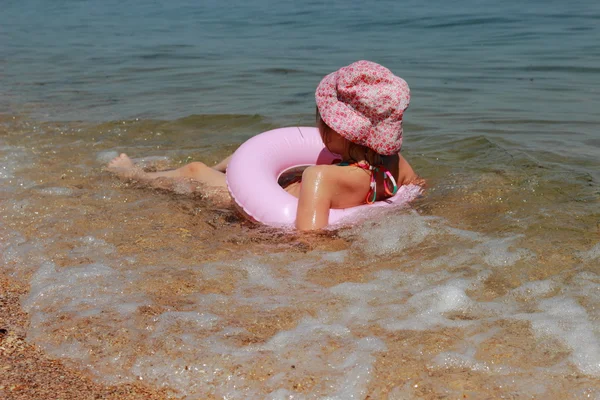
(406, 174)
(314, 200)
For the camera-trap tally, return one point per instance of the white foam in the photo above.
(92, 248)
(105, 195)
(463, 361)
(363, 292)
(63, 287)
(205, 365)
(464, 234)
(148, 160)
(534, 290)
(13, 160)
(105, 156)
(592, 254)
(465, 356)
(426, 308)
(337, 257)
(304, 329)
(19, 205)
(74, 350)
(566, 320)
(56, 191)
(197, 320)
(258, 273)
(283, 394)
(592, 393)
(589, 283)
(359, 366)
(404, 392)
(497, 254)
(392, 235)
(350, 370)
(195, 344)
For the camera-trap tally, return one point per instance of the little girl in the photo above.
(359, 115)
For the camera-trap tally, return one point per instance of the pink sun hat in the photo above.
(364, 102)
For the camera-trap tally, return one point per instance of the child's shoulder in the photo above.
(347, 175)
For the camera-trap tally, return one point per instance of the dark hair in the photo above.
(356, 152)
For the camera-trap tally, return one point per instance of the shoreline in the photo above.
(29, 373)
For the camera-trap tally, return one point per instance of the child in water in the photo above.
(359, 115)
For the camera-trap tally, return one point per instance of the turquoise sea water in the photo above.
(522, 71)
(488, 286)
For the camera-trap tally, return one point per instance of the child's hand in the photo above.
(419, 182)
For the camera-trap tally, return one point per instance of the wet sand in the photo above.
(64, 210)
(26, 372)
(29, 373)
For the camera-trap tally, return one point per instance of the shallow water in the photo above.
(487, 286)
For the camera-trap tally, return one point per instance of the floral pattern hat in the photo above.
(364, 102)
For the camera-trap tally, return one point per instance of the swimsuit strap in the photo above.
(387, 177)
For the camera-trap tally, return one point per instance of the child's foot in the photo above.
(122, 162)
(122, 166)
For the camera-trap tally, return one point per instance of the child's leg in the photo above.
(125, 168)
(196, 170)
(222, 166)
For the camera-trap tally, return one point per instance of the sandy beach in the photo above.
(28, 373)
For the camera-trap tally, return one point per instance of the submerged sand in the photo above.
(29, 373)
(437, 301)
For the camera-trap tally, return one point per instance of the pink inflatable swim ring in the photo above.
(256, 166)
